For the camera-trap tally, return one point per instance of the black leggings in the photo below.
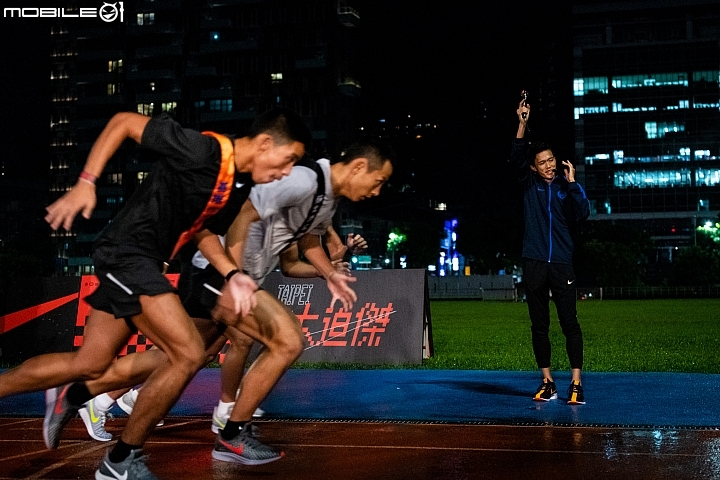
(540, 278)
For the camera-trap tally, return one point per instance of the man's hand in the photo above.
(523, 108)
(341, 267)
(569, 171)
(62, 211)
(238, 295)
(338, 285)
(356, 244)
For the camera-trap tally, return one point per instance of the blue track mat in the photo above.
(460, 396)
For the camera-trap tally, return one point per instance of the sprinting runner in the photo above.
(282, 209)
(194, 192)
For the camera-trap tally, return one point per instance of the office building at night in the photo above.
(212, 65)
(647, 115)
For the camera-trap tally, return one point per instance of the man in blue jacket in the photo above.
(553, 201)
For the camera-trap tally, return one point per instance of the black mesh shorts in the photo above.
(123, 278)
(201, 300)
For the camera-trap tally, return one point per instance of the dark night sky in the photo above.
(421, 58)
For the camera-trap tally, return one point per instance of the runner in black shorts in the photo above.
(194, 192)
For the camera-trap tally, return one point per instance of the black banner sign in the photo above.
(390, 322)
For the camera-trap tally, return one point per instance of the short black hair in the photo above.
(534, 148)
(376, 151)
(284, 125)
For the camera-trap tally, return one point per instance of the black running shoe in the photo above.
(575, 394)
(546, 391)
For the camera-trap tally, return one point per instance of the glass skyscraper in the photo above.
(647, 114)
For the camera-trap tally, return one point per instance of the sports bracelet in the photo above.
(88, 177)
(230, 274)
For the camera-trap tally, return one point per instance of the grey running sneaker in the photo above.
(127, 404)
(58, 412)
(245, 449)
(94, 421)
(132, 468)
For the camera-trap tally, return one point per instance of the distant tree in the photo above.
(696, 266)
(611, 255)
(422, 243)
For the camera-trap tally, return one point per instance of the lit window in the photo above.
(141, 176)
(169, 107)
(650, 80)
(712, 76)
(276, 77)
(658, 178)
(589, 110)
(651, 129)
(115, 65)
(707, 177)
(145, 19)
(584, 86)
(114, 178)
(221, 105)
(145, 109)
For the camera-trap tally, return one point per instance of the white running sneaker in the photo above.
(219, 421)
(127, 403)
(94, 421)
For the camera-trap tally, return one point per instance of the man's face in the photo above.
(545, 164)
(364, 184)
(275, 161)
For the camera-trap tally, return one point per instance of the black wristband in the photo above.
(230, 274)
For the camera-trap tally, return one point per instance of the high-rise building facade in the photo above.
(213, 65)
(647, 114)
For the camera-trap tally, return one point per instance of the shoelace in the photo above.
(104, 417)
(138, 465)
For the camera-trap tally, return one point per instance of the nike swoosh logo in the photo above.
(571, 281)
(236, 450)
(239, 185)
(116, 474)
(93, 418)
(58, 402)
(15, 319)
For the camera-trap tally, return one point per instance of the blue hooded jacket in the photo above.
(549, 210)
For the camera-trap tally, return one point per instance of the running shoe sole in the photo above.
(234, 458)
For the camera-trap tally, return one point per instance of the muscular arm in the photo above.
(226, 259)
(82, 196)
(337, 282)
(333, 242)
(237, 233)
(212, 249)
(292, 266)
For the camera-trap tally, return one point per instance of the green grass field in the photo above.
(620, 336)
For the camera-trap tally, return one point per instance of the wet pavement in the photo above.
(417, 424)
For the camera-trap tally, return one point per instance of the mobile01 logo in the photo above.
(109, 12)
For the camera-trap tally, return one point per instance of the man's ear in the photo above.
(533, 168)
(359, 165)
(263, 142)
